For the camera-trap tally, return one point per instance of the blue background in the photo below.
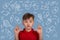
(47, 14)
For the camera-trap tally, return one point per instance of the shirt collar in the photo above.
(26, 31)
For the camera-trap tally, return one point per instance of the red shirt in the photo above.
(32, 35)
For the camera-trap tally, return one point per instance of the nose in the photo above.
(28, 25)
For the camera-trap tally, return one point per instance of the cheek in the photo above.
(25, 24)
(31, 24)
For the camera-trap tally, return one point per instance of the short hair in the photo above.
(27, 16)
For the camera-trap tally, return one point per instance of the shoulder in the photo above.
(21, 32)
(35, 32)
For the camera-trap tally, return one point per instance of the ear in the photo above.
(33, 22)
(23, 22)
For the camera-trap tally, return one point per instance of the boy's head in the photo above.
(28, 20)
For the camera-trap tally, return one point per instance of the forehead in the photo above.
(29, 19)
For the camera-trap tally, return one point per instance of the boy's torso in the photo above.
(32, 35)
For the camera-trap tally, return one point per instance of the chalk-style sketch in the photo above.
(11, 18)
(6, 23)
(35, 6)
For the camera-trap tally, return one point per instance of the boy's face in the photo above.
(28, 23)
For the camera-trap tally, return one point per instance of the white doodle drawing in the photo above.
(40, 17)
(54, 3)
(45, 7)
(11, 18)
(6, 23)
(55, 10)
(48, 21)
(15, 6)
(5, 6)
(8, 32)
(47, 14)
(17, 19)
(47, 36)
(12, 37)
(35, 6)
(50, 30)
(5, 13)
(27, 5)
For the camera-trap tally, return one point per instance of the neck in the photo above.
(28, 30)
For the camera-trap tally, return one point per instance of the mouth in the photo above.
(28, 26)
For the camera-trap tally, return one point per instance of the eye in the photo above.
(25, 21)
(30, 21)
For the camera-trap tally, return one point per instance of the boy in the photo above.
(28, 33)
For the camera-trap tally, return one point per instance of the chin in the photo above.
(28, 28)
